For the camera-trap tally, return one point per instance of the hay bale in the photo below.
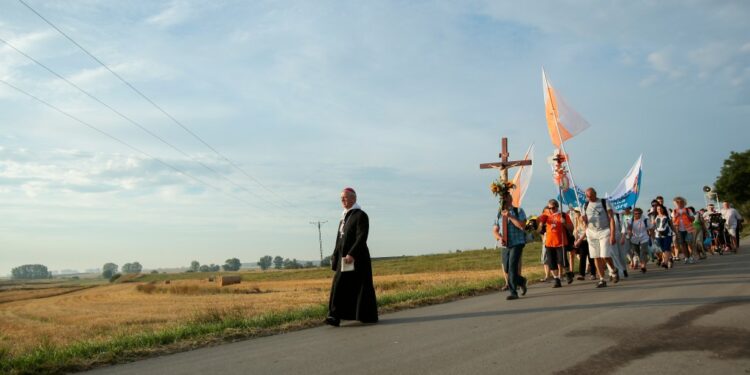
(228, 280)
(211, 279)
(167, 282)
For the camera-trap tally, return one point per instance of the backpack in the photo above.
(645, 222)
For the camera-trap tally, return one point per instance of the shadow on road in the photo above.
(576, 307)
(731, 269)
(677, 334)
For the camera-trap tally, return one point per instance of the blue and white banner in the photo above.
(627, 191)
(569, 197)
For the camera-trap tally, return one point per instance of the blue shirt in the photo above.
(516, 236)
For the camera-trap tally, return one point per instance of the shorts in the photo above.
(599, 245)
(684, 238)
(664, 243)
(555, 257)
(732, 232)
(640, 249)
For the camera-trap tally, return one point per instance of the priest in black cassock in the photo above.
(352, 292)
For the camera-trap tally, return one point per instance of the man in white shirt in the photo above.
(732, 217)
(600, 231)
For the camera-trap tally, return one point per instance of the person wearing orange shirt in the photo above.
(558, 227)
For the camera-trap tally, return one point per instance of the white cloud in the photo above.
(84, 172)
(711, 57)
(174, 14)
(662, 61)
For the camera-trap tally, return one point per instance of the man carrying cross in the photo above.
(510, 225)
(512, 241)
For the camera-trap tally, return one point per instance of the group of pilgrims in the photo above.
(607, 243)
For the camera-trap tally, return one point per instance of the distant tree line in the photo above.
(110, 270)
(231, 264)
(31, 271)
(277, 262)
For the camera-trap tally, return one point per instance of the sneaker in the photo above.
(670, 264)
(643, 270)
(524, 286)
(581, 277)
(625, 272)
(569, 277)
(617, 276)
(592, 277)
(691, 260)
(558, 283)
(511, 297)
(685, 261)
(601, 284)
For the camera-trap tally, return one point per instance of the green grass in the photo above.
(470, 260)
(217, 325)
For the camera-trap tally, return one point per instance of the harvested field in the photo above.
(57, 317)
(121, 309)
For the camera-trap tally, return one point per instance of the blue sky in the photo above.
(400, 100)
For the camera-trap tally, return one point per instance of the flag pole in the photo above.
(561, 143)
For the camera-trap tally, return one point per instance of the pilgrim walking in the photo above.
(352, 291)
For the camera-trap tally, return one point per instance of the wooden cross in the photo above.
(503, 166)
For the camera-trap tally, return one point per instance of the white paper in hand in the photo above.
(346, 267)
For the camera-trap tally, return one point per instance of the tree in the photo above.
(134, 267)
(291, 264)
(309, 264)
(31, 271)
(214, 268)
(204, 268)
(278, 262)
(265, 262)
(108, 270)
(195, 266)
(232, 264)
(732, 184)
(326, 262)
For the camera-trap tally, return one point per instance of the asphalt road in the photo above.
(693, 319)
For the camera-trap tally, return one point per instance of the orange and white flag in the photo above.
(563, 122)
(522, 178)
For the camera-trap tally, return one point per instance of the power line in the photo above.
(142, 95)
(124, 143)
(133, 122)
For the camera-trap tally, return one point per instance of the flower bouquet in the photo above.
(501, 189)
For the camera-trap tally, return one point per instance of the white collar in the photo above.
(355, 206)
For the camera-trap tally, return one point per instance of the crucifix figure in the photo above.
(503, 166)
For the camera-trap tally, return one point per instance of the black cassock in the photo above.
(352, 292)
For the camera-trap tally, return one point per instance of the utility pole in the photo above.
(320, 237)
